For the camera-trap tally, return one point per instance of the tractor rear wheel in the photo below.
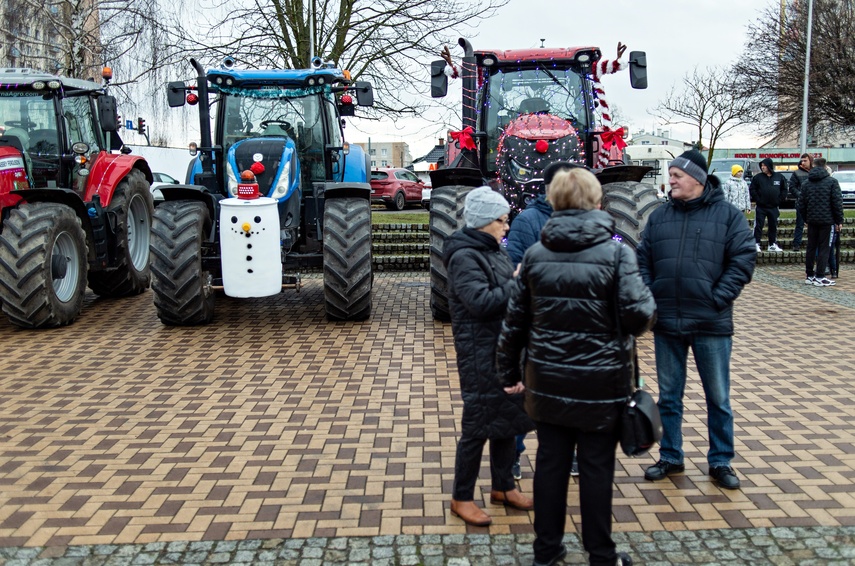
(348, 275)
(446, 217)
(182, 290)
(42, 265)
(630, 204)
(132, 204)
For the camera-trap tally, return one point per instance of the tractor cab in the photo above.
(54, 123)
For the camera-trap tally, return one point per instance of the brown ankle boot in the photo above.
(470, 513)
(512, 498)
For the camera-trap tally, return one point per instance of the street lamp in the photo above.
(803, 137)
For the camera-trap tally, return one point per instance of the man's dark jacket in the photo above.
(696, 256)
(821, 201)
(576, 372)
(525, 230)
(480, 283)
(797, 179)
(768, 191)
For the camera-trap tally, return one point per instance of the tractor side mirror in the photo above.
(108, 116)
(638, 69)
(438, 79)
(364, 93)
(175, 94)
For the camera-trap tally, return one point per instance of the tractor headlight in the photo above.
(284, 183)
(232, 179)
(519, 172)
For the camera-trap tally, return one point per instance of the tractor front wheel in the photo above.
(348, 275)
(446, 217)
(42, 265)
(132, 204)
(183, 295)
(630, 204)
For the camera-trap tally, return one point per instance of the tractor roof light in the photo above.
(345, 148)
(488, 61)
(55, 85)
(38, 85)
(311, 81)
(219, 80)
(230, 81)
(320, 80)
(107, 74)
(346, 74)
(583, 57)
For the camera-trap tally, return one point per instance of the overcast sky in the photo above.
(676, 34)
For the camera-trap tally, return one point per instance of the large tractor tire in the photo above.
(42, 265)
(348, 275)
(630, 204)
(183, 295)
(133, 206)
(446, 217)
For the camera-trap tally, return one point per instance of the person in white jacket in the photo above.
(736, 190)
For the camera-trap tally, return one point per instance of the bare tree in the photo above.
(388, 42)
(709, 101)
(774, 61)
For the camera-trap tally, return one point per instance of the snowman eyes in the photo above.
(257, 220)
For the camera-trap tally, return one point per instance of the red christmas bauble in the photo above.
(247, 175)
(257, 168)
(192, 99)
(542, 146)
(346, 99)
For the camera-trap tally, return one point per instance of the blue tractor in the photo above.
(275, 189)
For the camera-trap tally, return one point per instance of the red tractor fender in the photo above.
(107, 172)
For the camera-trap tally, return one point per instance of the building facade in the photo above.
(387, 154)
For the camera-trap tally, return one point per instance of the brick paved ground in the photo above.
(273, 435)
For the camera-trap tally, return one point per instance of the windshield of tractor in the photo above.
(28, 121)
(271, 112)
(511, 92)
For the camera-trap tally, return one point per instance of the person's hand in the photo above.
(517, 270)
(518, 388)
(839, 227)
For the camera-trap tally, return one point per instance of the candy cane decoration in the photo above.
(598, 70)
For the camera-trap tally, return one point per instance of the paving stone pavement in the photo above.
(274, 436)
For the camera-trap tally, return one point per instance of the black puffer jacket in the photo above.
(696, 256)
(480, 283)
(821, 201)
(575, 372)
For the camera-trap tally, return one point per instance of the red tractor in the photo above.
(522, 110)
(72, 211)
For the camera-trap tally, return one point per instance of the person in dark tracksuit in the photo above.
(768, 190)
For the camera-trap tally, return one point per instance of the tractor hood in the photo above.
(539, 127)
(279, 168)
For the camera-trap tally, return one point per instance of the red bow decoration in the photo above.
(464, 138)
(613, 137)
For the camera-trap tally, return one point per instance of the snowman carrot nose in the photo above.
(246, 226)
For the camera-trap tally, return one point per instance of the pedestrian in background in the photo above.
(797, 179)
(821, 203)
(576, 382)
(768, 190)
(736, 189)
(696, 255)
(480, 283)
(524, 233)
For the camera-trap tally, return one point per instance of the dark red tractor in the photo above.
(73, 211)
(522, 110)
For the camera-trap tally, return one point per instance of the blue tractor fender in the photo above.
(357, 168)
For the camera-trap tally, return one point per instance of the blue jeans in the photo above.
(712, 360)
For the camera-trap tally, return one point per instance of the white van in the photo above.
(656, 156)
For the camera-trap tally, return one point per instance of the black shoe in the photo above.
(516, 470)
(725, 477)
(661, 469)
(574, 467)
(555, 559)
(623, 559)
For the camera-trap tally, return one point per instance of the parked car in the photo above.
(396, 188)
(161, 179)
(847, 186)
(426, 196)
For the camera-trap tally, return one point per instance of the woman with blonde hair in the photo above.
(576, 380)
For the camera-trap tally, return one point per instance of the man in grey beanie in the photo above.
(481, 279)
(696, 255)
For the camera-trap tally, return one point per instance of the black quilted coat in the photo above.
(480, 282)
(821, 201)
(696, 256)
(576, 371)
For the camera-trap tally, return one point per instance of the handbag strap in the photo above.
(636, 379)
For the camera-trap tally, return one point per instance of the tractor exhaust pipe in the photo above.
(467, 75)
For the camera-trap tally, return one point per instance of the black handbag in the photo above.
(640, 423)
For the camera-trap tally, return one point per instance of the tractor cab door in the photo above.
(80, 124)
(334, 151)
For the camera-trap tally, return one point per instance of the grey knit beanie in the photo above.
(482, 206)
(693, 163)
